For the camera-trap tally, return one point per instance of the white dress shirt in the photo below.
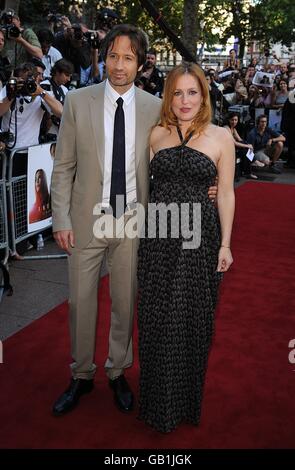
(52, 56)
(110, 106)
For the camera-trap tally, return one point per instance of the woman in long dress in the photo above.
(178, 280)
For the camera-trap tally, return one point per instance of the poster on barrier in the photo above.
(263, 79)
(40, 164)
(275, 117)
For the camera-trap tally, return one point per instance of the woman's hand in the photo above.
(213, 190)
(225, 259)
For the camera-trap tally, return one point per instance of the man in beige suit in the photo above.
(102, 127)
(82, 177)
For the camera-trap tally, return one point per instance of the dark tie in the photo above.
(118, 181)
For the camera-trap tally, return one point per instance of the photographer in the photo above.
(94, 73)
(50, 53)
(61, 74)
(106, 19)
(24, 106)
(215, 94)
(21, 44)
(74, 47)
(151, 76)
(5, 66)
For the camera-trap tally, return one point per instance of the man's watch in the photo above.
(43, 93)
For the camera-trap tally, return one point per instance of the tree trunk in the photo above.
(190, 30)
(242, 44)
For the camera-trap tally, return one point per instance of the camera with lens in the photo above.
(92, 39)
(54, 18)
(6, 137)
(106, 19)
(45, 139)
(15, 87)
(74, 83)
(77, 32)
(11, 88)
(9, 29)
(28, 87)
(55, 120)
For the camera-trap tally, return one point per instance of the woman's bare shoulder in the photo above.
(158, 133)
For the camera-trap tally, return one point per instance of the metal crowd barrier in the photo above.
(17, 206)
(4, 241)
(17, 201)
(4, 245)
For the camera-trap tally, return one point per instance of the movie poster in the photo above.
(40, 164)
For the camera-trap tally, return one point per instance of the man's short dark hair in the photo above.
(37, 63)
(138, 39)
(25, 67)
(261, 116)
(45, 36)
(152, 52)
(62, 66)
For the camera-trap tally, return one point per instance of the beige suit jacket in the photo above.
(77, 179)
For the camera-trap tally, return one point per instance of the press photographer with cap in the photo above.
(23, 108)
(21, 44)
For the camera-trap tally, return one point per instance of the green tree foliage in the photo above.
(262, 20)
(214, 21)
(274, 21)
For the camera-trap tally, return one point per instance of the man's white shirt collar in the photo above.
(113, 95)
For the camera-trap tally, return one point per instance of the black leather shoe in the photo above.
(122, 393)
(70, 398)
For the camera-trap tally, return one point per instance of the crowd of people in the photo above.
(263, 85)
(113, 140)
(250, 96)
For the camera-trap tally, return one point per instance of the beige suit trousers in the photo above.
(84, 273)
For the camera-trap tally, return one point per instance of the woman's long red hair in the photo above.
(204, 116)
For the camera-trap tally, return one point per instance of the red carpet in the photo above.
(250, 389)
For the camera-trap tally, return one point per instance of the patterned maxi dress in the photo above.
(178, 292)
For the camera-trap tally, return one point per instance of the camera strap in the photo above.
(13, 108)
(57, 91)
